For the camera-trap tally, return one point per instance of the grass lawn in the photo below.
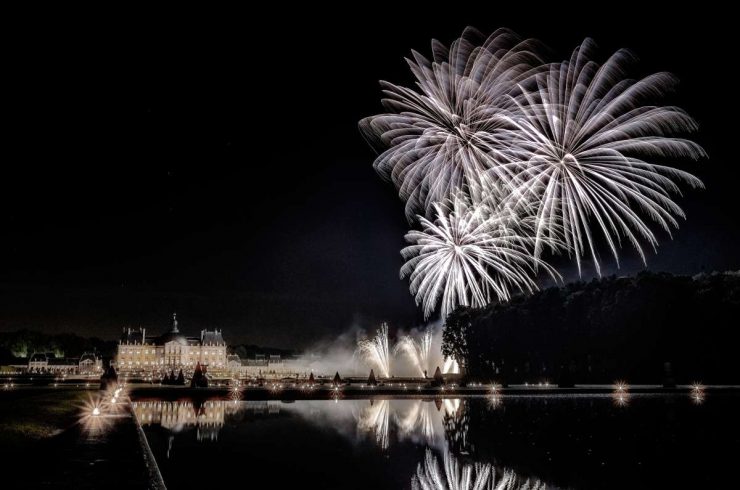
(30, 415)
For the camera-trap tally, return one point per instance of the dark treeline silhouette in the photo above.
(651, 328)
(23, 343)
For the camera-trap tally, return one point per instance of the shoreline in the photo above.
(172, 393)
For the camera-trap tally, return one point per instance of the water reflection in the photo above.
(439, 426)
(418, 420)
(621, 395)
(495, 401)
(206, 417)
(697, 393)
(460, 476)
(427, 421)
(496, 441)
(374, 419)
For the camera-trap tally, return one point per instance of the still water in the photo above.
(632, 441)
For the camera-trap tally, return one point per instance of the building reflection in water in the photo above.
(440, 425)
(207, 418)
(428, 421)
(461, 476)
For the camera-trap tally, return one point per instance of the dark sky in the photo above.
(214, 166)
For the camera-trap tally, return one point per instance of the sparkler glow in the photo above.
(621, 386)
(495, 401)
(375, 351)
(93, 417)
(235, 393)
(697, 393)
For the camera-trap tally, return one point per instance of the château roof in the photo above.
(39, 357)
(207, 337)
(212, 337)
(130, 336)
(88, 356)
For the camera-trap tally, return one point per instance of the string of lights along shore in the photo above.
(504, 155)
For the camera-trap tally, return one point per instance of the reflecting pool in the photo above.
(533, 442)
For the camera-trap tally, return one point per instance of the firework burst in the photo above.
(443, 137)
(468, 256)
(579, 151)
(501, 157)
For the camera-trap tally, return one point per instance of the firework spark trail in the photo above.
(456, 476)
(578, 152)
(375, 351)
(468, 256)
(443, 137)
(418, 351)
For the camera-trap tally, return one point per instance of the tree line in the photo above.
(651, 328)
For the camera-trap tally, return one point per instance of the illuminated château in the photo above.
(172, 351)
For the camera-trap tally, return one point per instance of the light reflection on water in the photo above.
(436, 424)
(455, 475)
(420, 421)
(498, 441)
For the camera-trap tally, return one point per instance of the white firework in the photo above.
(468, 256)
(375, 351)
(418, 351)
(443, 137)
(578, 151)
(456, 476)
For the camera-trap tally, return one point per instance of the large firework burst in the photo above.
(468, 256)
(442, 137)
(501, 156)
(579, 145)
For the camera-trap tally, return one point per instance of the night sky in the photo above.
(214, 167)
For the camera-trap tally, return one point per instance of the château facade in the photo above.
(139, 353)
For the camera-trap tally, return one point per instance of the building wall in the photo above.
(135, 357)
(149, 357)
